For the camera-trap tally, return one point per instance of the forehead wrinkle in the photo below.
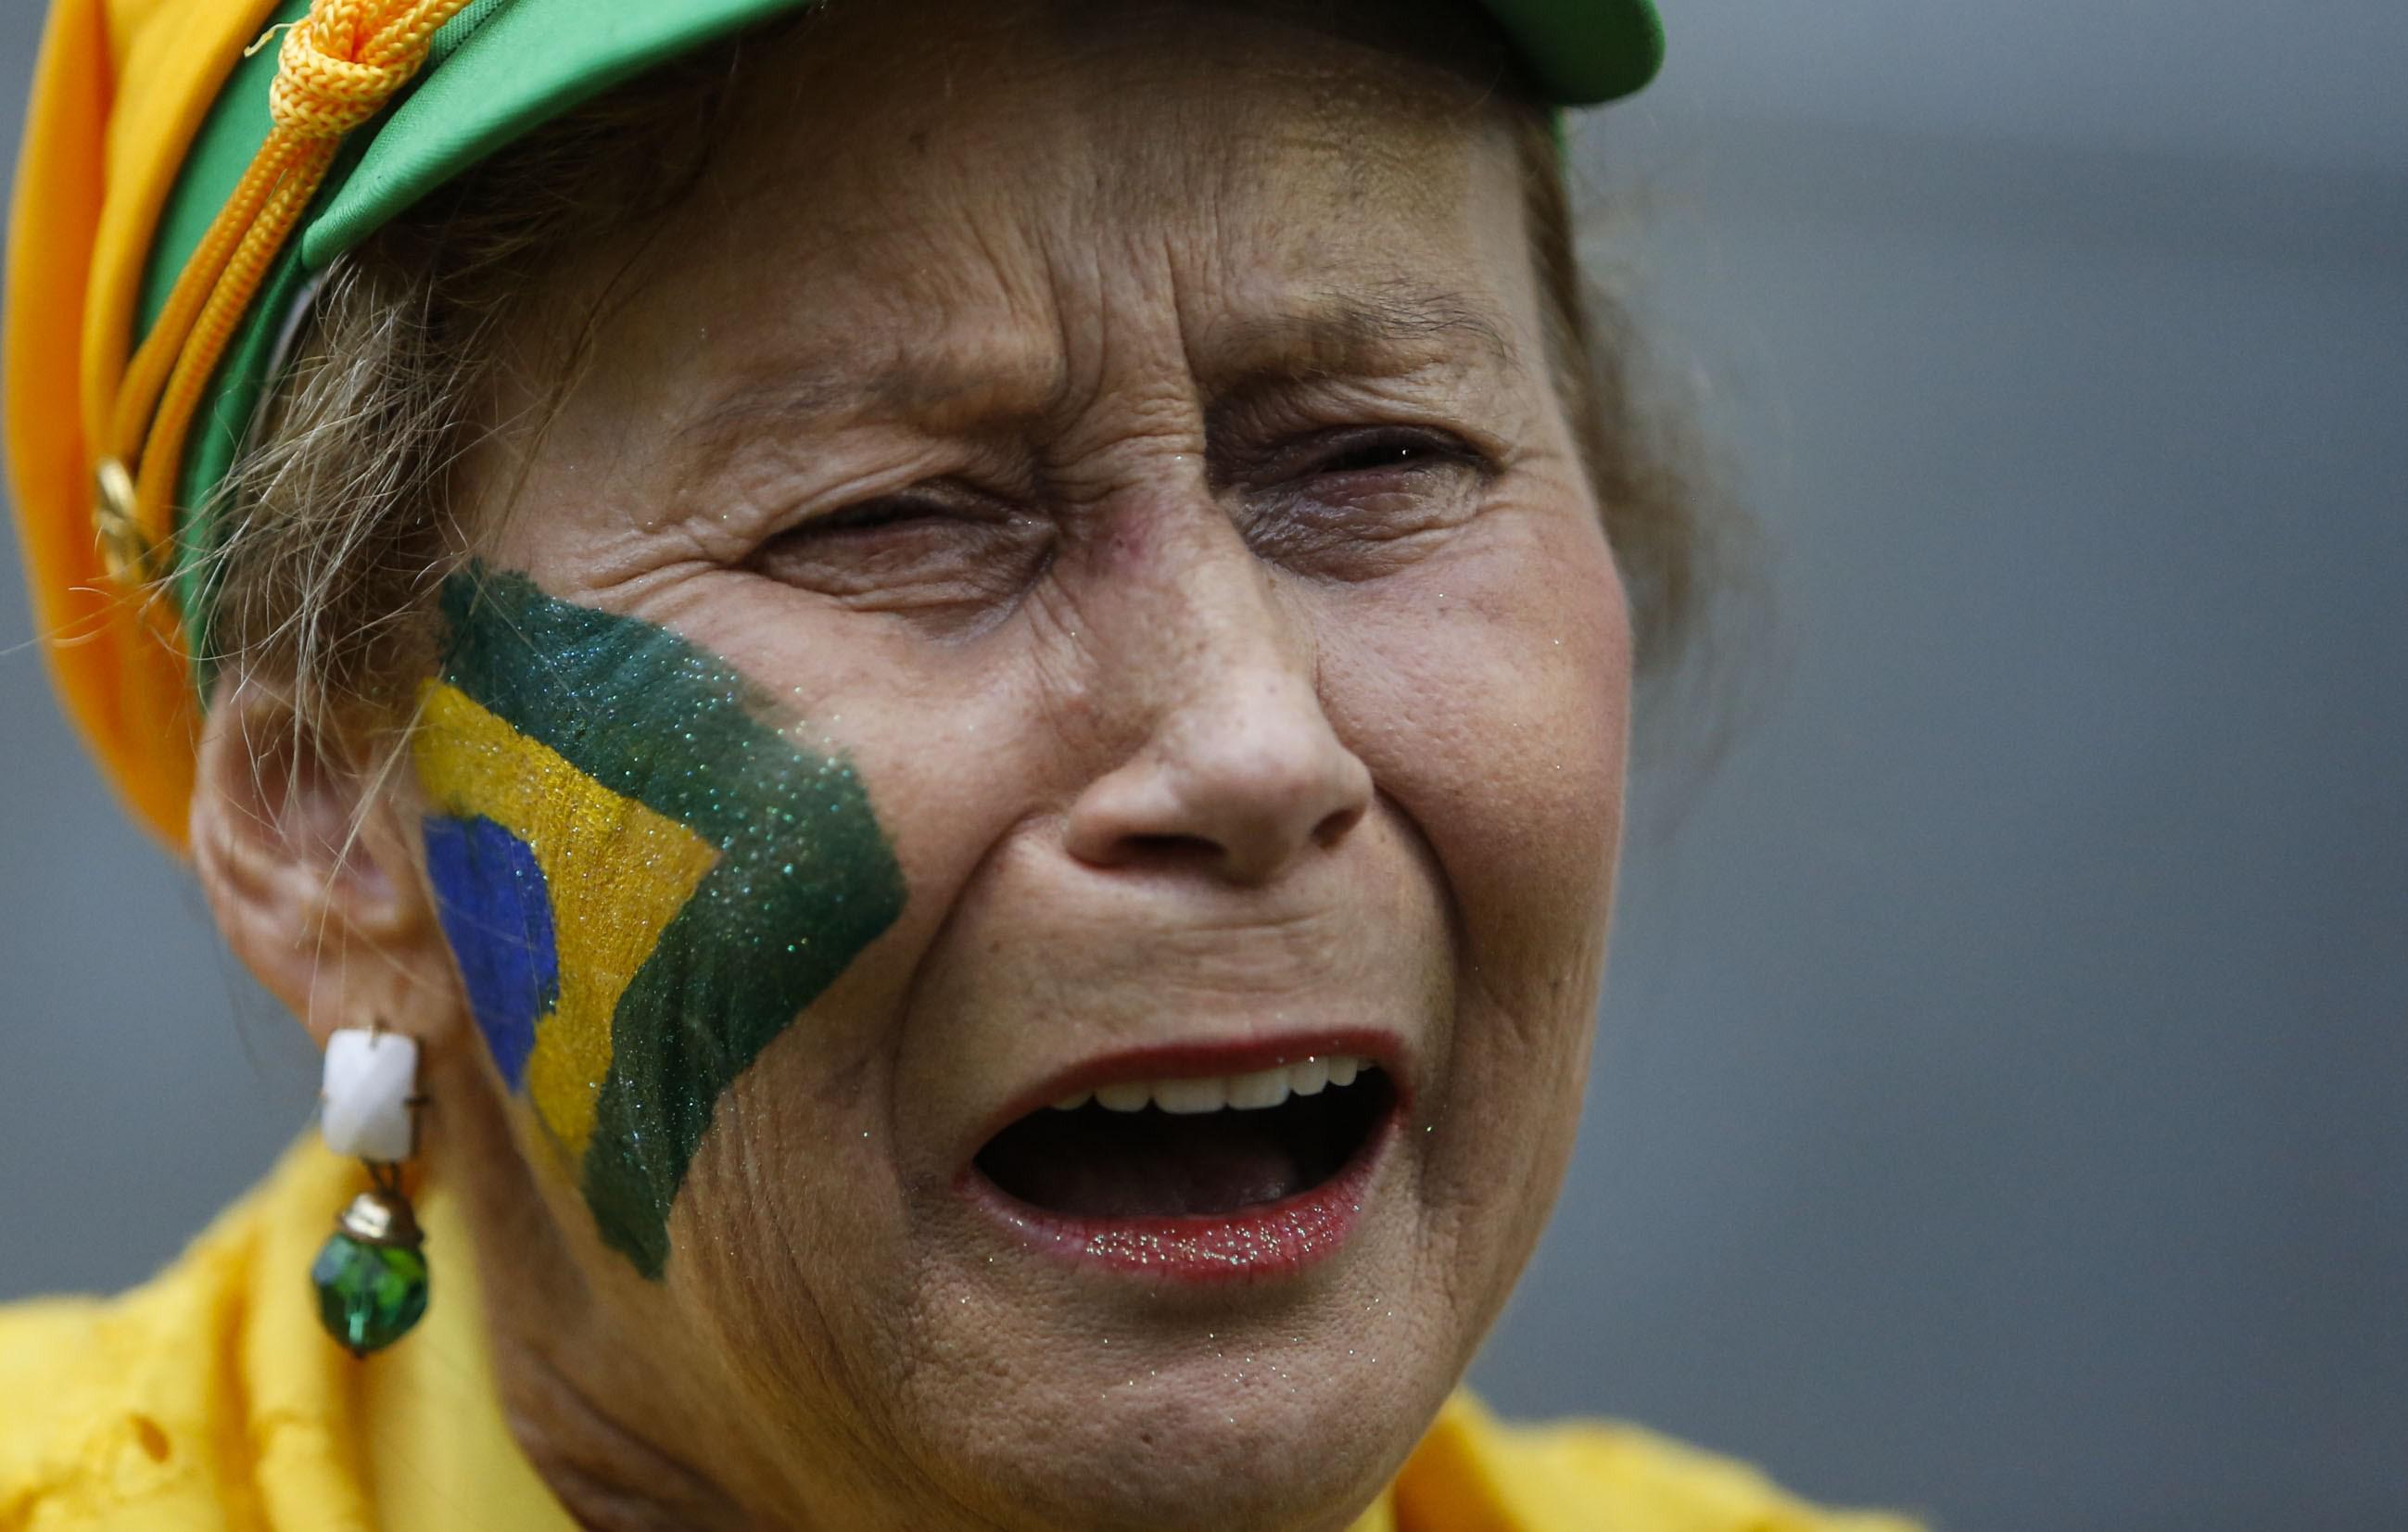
(1385, 330)
(1391, 329)
(940, 388)
(903, 316)
(968, 325)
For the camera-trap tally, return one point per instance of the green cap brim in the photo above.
(503, 67)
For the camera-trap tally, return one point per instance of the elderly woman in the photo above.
(927, 699)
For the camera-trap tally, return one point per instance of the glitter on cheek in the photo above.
(708, 878)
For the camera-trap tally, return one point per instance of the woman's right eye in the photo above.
(947, 552)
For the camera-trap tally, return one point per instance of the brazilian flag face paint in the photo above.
(644, 879)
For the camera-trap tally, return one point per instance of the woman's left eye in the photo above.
(1387, 449)
(1349, 503)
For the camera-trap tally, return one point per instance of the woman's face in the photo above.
(1086, 486)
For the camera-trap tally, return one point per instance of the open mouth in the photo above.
(1192, 1147)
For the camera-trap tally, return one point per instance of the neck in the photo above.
(606, 1476)
(580, 1418)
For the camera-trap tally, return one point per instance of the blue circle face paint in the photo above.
(497, 912)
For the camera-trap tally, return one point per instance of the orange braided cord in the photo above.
(137, 395)
(336, 68)
(163, 452)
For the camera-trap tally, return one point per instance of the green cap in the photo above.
(502, 67)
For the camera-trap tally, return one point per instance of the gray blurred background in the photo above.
(2002, 1106)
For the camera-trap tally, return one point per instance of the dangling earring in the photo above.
(370, 1274)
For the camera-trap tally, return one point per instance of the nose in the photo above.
(1239, 771)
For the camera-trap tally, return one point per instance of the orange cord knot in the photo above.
(340, 65)
(335, 70)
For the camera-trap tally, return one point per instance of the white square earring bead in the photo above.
(370, 1091)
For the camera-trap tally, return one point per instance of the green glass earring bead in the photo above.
(370, 1274)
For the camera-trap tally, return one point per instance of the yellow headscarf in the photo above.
(120, 91)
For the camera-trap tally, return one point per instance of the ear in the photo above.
(306, 850)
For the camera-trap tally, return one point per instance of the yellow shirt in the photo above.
(208, 1399)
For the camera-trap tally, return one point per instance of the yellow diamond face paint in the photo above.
(644, 879)
(615, 874)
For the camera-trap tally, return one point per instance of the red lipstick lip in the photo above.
(1266, 1242)
(1187, 1061)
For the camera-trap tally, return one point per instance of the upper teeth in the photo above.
(1243, 1093)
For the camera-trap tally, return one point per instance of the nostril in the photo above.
(1167, 848)
(1335, 827)
(1238, 803)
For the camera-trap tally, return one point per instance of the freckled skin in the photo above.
(1131, 448)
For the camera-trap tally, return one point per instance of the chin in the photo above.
(1078, 1397)
(1301, 1440)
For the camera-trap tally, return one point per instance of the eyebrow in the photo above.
(1390, 331)
(1398, 326)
